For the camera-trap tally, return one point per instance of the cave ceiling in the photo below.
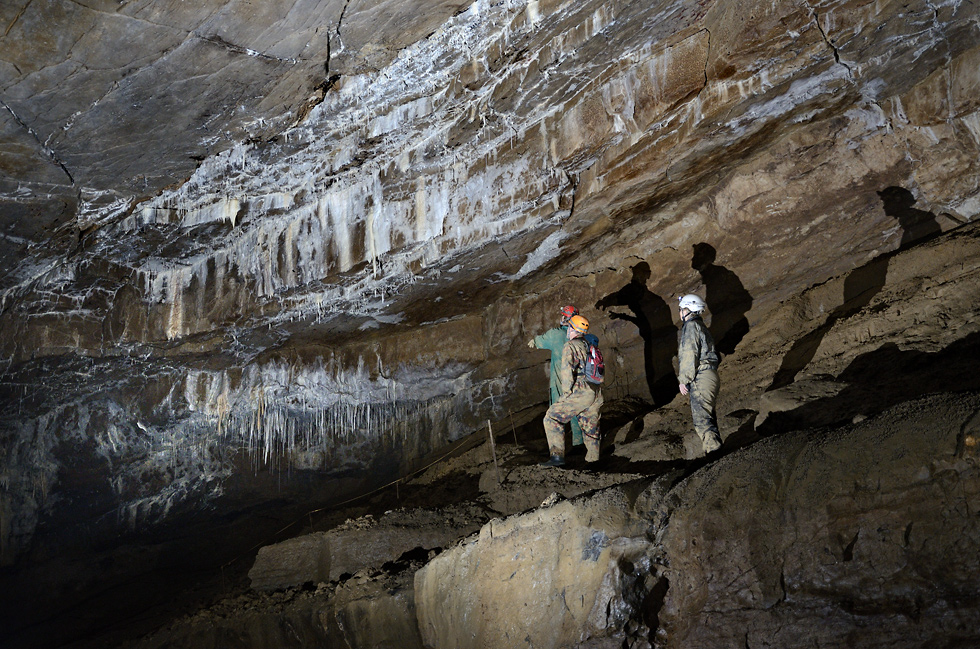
(226, 215)
(144, 137)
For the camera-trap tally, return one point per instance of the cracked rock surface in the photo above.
(259, 259)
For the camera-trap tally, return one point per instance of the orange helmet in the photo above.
(579, 324)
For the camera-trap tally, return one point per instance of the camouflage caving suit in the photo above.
(554, 341)
(697, 362)
(579, 398)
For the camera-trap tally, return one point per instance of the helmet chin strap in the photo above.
(690, 314)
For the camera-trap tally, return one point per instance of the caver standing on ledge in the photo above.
(697, 362)
(579, 398)
(554, 341)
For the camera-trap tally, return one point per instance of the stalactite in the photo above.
(282, 410)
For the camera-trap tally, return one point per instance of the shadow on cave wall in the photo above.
(917, 225)
(860, 286)
(883, 378)
(862, 283)
(728, 302)
(652, 317)
(727, 299)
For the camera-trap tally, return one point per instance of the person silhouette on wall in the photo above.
(727, 296)
(863, 283)
(917, 225)
(656, 328)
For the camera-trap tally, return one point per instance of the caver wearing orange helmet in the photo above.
(554, 340)
(579, 398)
(579, 324)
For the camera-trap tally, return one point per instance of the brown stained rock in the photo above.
(964, 76)
(466, 336)
(858, 536)
(854, 537)
(851, 537)
(679, 74)
(783, 31)
(935, 117)
(385, 620)
(548, 578)
(292, 563)
(663, 435)
(795, 395)
(528, 486)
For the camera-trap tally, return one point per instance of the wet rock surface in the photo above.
(857, 533)
(920, 326)
(289, 294)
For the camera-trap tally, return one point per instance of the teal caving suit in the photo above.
(554, 341)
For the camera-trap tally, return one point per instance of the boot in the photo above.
(711, 442)
(554, 460)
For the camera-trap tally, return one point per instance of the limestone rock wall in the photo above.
(352, 290)
(550, 578)
(862, 535)
(856, 537)
(847, 520)
(328, 556)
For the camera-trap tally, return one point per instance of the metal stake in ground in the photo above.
(493, 449)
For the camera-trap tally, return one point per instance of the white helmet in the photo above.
(692, 303)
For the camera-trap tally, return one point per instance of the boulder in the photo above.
(861, 536)
(553, 577)
(360, 543)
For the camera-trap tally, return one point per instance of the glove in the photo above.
(531, 345)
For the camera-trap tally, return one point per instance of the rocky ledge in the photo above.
(862, 535)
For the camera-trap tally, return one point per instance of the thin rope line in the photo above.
(341, 504)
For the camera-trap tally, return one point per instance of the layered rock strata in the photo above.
(350, 294)
(859, 533)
